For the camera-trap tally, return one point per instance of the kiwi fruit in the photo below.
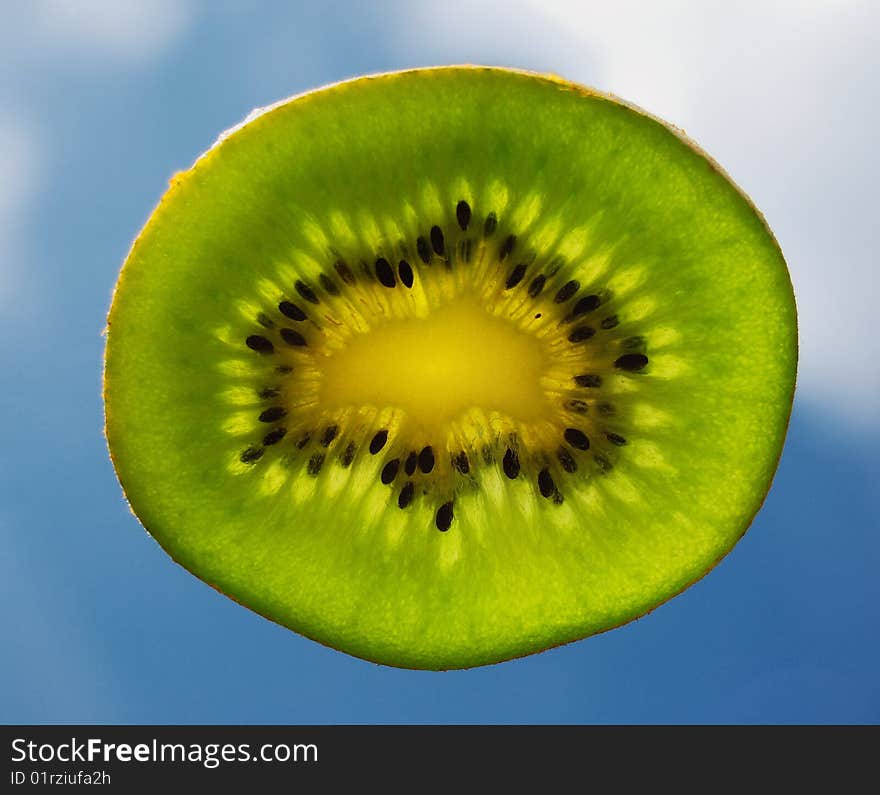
(448, 366)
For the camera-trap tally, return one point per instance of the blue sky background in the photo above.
(102, 101)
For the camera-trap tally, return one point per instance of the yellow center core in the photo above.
(438, 367)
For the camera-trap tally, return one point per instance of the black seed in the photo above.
(567, 291)
(537, 285)
(487, 454)
(304, 440)
(426, 459)
(306, 292)
(603, 463)
(251, 455)
(610, 322)
(516, 276)
(463, 214)
(510, 464)
(329, 435)
(315, 463)
(389, 471)
(577, 438)
(385, 273)
(577, 406)
(293, 338)
(615, 438)
(566, 460)
(406, 495)
(585, 305)
(328, 284)
(461, 463)
(506, 247)
(588, 380)
(268, 392)
(444, 516)
(291, 310)
(545, 483)
(378, 442)
(437, 239)
(273, 415)
(555, 264)
(406, 273)
(348, 454)
(273, 437)
(259, 344)
(424, 250)
(634, 343)
(344, 272)
(264, 320)
(581, 334)
(633, 362)
(605, 409)
(490, 224)
(412, 461)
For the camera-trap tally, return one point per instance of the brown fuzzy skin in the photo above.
(178, 178)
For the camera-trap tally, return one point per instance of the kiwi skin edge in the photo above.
(181, 178)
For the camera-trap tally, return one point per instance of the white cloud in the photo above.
(20, 174)
(63, 34)
(125, 30)
(780, 93)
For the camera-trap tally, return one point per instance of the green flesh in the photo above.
(354, 169)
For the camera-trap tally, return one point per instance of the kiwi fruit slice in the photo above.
(449, 366)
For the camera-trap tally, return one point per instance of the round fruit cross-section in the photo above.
(449, 366)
